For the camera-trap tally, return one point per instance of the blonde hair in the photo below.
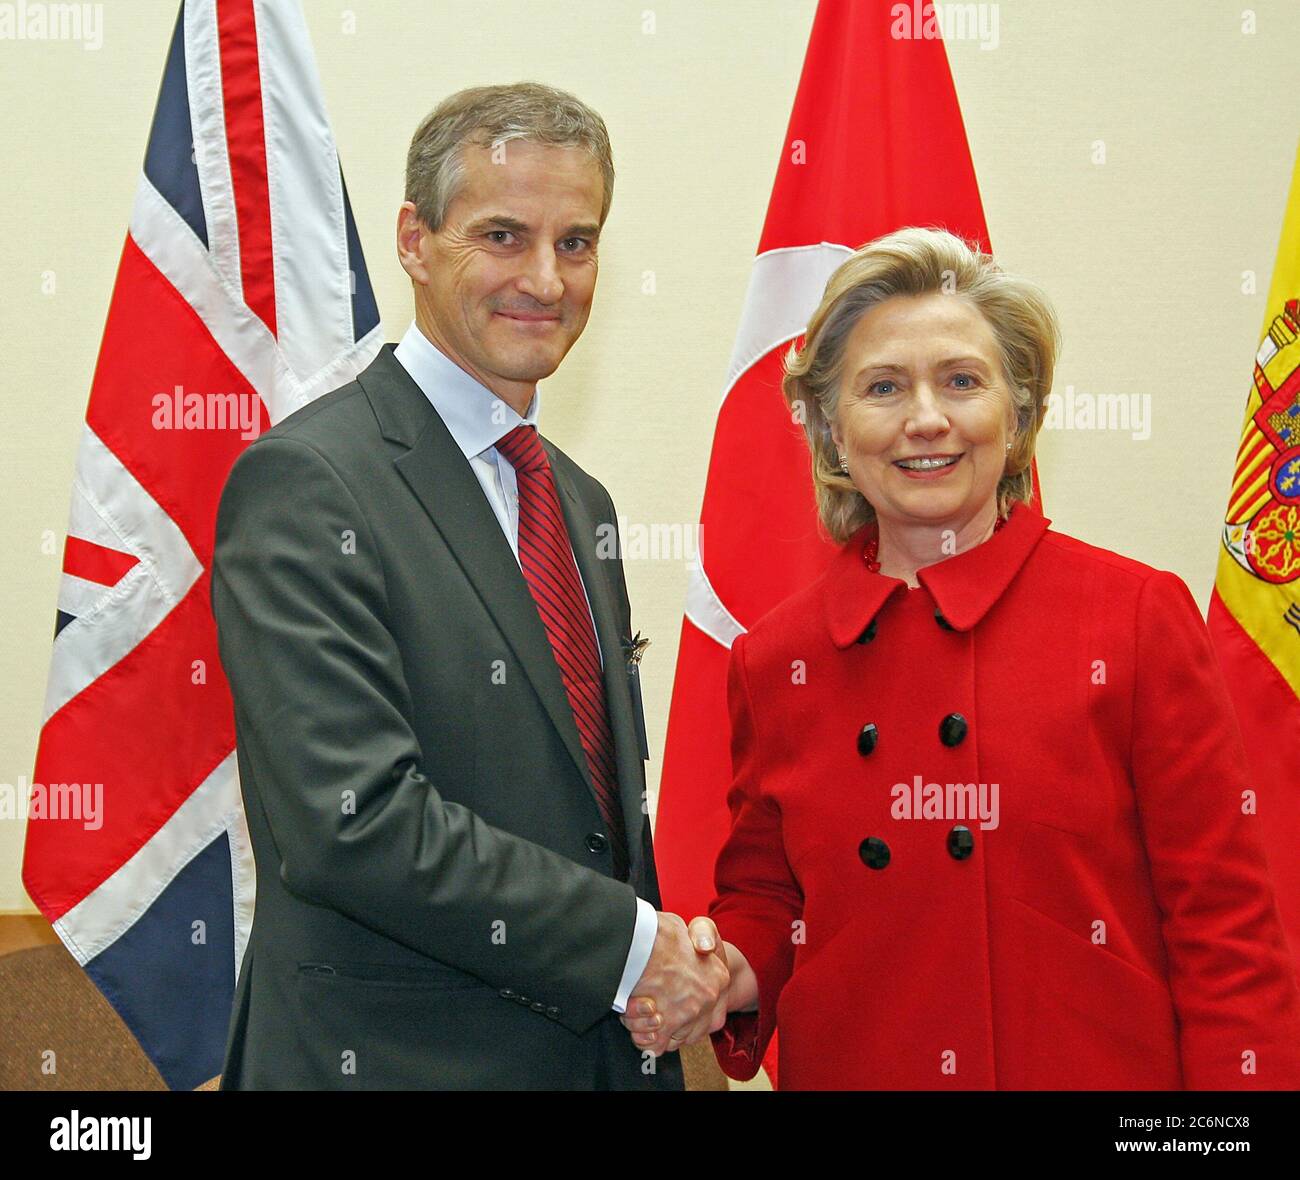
(490, 115)
(917, 261)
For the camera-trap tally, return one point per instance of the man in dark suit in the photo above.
(429, 641)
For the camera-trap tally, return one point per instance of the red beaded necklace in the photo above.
(872, 545)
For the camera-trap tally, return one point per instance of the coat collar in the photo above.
(399, 405)
(964, 587)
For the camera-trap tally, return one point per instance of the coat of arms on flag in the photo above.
(1262, 529)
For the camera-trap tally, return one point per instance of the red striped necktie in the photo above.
(546, 556)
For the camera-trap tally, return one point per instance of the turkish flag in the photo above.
(875, 143)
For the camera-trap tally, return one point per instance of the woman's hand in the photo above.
(742, 993)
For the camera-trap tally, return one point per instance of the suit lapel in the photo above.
(582, 535)
(444, 483)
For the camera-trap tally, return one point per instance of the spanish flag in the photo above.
(1255, 608)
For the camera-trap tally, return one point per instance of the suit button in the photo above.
(952, 729)
(507, 994)
(523, 1000)
(867, 739)
(596, 842)
(537, 1006)
(553, 1013)
(874, 852)
(938, 618)
(961, 842)
(869, 634)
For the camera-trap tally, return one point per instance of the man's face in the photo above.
(504, 285)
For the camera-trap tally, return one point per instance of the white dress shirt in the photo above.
(476, 418)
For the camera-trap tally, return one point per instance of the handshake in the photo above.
(693, 979)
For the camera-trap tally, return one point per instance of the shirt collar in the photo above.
(964, 587)
(474, 416)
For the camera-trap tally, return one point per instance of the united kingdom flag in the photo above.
(240, 296)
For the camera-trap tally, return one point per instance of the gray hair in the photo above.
(916, 261)
(492, 115)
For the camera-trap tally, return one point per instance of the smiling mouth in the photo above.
(926, 462)
(529, 319)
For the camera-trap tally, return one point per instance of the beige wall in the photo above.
(1144, 254)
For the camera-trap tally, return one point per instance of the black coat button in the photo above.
(596, 842)
(952, 729)
(553, 1013)
(538, 1006)
(867, 739)
(869, 634)
(938, 618)
(961, 842)
(874, 852)
(507, 994)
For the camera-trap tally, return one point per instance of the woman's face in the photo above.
(924, 414)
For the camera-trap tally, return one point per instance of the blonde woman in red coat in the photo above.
(991, 823)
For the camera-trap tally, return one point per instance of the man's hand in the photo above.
(681, 996)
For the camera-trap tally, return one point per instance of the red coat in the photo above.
(1114, 930)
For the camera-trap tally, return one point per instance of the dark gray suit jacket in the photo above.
(435, 899)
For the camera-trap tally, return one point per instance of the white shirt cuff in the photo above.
(638, 955)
